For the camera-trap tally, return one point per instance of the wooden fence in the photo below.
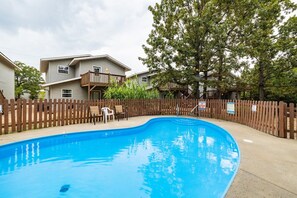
(278, 119)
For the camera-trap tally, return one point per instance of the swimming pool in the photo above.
(166, 157)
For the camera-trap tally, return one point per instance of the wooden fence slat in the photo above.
(275, 119)
(50, 112)
(59, 121)
(291, 120)
(6, 110)
(269, 122)
(12, 112)
(78, 109)
(265, 118)
(45, 113)
(1, 118)
(54, 106)
(68, 111)
(35, 114)
(63, 113)
(19, 116)
(282, 120)
(40, 110)
(24, 108)
(30, 110)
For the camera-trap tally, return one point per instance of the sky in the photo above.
(34, 29)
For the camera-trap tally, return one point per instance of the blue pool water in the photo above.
(166, 157)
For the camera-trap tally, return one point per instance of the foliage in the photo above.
(169, 95)
(130, 90)
(195, 42)
(270, 42)
(27, 80)
(204, 43)
(42, 94)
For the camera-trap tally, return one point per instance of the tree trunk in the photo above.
(197, 95)
(205, 85)
(220, 78)
(261, 81)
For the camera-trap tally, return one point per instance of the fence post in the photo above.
(282, 119)
(291, 120)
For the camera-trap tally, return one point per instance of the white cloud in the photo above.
(33, 29)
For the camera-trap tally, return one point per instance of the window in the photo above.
(62, 69)
(97, 69)
(66, 93)
(144, 79)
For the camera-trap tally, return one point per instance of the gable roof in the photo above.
(106, 56)
(4, 59)
(147, 72)
(44, 61)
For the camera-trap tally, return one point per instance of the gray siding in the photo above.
(139, 79)
(87, 65)
(54, 76)
(78, 92)
(82, 67)
(77, 70)
(7, 81)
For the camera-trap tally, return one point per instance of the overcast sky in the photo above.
(34, 29)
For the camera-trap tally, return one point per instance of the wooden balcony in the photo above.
(100, 79)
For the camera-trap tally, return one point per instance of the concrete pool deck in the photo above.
(268, 165)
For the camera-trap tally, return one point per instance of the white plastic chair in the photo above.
(107, 112)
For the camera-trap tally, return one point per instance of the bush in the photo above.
(130, 90)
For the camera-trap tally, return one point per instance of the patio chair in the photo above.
(95, 114)
(107, 112)
(120, 112)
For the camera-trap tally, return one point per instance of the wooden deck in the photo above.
(100, 79)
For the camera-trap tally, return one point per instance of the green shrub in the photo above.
(130, 90)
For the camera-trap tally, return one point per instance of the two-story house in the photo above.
(82, 76)
(7, 68)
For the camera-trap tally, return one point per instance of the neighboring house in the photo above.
(147, 77)
(82, 76)
(7, 68)
(178, 91)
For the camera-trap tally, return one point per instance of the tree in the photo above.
(192, 40)
(27, 80)
(269, 41)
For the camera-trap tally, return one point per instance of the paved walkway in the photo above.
(268, 164)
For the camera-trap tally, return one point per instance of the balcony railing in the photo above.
(100, 79)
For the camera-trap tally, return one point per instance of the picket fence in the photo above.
(278, 119)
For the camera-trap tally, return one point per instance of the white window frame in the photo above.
(65, 66)
(142, 79)
(97, 67)
(66, 93)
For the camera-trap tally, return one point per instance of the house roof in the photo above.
(76, 60)
(141, 73)
(61, 82)
(44, 61)
(7, 61)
